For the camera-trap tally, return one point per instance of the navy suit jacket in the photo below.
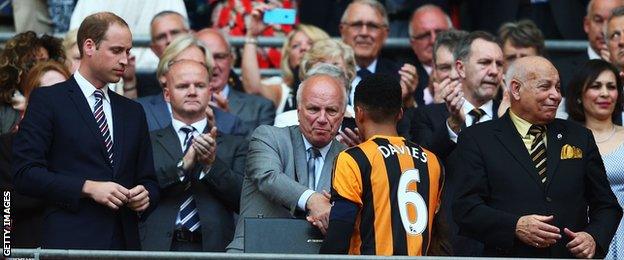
(158, 116)
(59, 146)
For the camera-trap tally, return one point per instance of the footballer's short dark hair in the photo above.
(380, 96)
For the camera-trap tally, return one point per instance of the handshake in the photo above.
(113, 195)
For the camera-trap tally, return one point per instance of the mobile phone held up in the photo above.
(279, 16)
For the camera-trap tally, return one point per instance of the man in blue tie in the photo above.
(85, 150)
(199, 169)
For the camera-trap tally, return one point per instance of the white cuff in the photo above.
(204, 172)
(303, 200)
(452, 135)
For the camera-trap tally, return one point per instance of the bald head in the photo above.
(534, 90)
(220, 49)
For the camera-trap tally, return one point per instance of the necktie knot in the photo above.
(476, 114)
(99, 94)
(188, 130)
(314, 153)
(363, 73)
(535, 130)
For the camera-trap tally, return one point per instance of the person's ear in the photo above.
(459, 66)
(514, 88)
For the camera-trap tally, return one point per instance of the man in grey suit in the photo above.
(289, 169)
(252, 110)
(200, 186)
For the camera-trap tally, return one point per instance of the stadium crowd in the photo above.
(473, 142)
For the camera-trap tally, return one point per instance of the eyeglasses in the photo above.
(426, 35)
(359, 25)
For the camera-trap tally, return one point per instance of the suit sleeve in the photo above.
(266, 112)
(604, 211)
(433, 137)
(475, 218)
(225, 181)
(265, 169)
(146, 174)
(30, 151)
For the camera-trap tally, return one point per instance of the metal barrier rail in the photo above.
(391, 43)
(109, 254)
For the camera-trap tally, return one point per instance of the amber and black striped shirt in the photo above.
(396, 186)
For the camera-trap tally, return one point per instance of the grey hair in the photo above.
(177, 46)
(372, 3)
(162, 14)
(427, 7)
(449, 39)
(325, 69)
(463, 49)
(616, 12)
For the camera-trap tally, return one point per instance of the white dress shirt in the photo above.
(87, 90)
(466, 108)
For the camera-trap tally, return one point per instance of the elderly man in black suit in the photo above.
(533, 185)
(200, 170)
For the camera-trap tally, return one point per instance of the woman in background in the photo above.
(595, 100)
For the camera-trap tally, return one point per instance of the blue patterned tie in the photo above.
(100, 119)
(189, 217)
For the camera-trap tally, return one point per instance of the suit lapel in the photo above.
(82, 106)
(118, 130)
(328, 166)
(168, 139)
(234, 100)
(507, 134)
(163, 117)
(299, 152)
(556, 138)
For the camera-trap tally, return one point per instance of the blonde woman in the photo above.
(280, 90)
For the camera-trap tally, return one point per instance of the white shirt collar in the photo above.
(428, 69)
(226, 90)
(87, 88)
(371, 67)
(199, 125)
(324, 150)
(487, 108)
(592, 54)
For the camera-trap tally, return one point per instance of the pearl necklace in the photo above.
(608, 137)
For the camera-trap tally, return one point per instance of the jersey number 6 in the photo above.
(406, 197)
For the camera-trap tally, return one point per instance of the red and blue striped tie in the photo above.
(100, 119)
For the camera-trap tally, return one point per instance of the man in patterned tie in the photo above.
(199, 169)
(523, 195)
(85, 150)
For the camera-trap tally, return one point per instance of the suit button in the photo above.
(548, 199)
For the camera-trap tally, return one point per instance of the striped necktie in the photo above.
(314, 153)
(538, 150)
(476, 114)
(188, 215)
(100, 119)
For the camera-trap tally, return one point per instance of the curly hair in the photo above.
(20, 54)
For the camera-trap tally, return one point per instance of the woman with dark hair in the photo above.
(20, 54)
(595, 100)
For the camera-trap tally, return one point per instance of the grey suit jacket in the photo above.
(274, 180)
(252, 110)
(217, 195)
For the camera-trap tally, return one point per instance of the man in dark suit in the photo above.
(158, 112)
(84, 150)
(426, 23)
(364, 27)
(252, 110)
(468, 100)
(207, 167)
(533, 185)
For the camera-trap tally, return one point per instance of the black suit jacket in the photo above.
(59, 146)
(501, 184)
(428, 128)
(217, 195)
